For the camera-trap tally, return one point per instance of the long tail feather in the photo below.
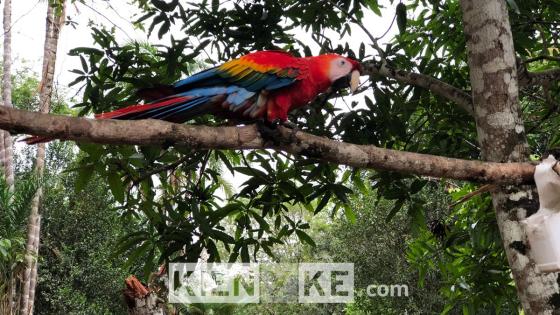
(163, 109)
(178, 108)
(137, 111)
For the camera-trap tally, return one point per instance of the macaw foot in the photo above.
(294, 129)
(290, 125)
(269, 131)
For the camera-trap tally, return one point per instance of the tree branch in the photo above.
(527, 78)
(156, 132)
(449, 92)
(458, 96)
(541, 57)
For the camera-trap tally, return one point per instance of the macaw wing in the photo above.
(245, 73)
(255, 76)
(251, 78)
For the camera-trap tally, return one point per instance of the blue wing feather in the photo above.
(244, 77)
(202, 77)
(236, 96)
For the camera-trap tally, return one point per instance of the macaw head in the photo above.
(343, 72)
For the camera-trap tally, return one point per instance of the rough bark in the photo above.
(2, 152)
(33, 232)
(54, 23)
(36, 238)
(502, 138)
(8, 153)
(157, 132)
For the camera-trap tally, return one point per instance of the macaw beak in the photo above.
(355, 76)
(354, 80)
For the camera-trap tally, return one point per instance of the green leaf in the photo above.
(401, 17)
(324, 201)
(85, 50)
(374, 6)
(417, 185)
(77, 80)
(164, 6)
(225, 160)
(84, 175)
(249, 171)
(362, 51)
(116, 185)
(349, 213)
(84, 64)
(268, 251)
(234, 254)
(129, 241)
(3, 251)
(304, 237)
(341, 192)
(93, 150)
(149, 263)
(203, 45)
(245, 253)
(447, 308)
(514, 6)
(290, 190)
(164, 29)
(262, 222)
(227, 210)
(398, 205)
(137, 253)
(220, 235)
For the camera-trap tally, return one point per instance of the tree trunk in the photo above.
(5, 138)
(6, 148)
(55, 21)
(501, 135)
(2, 151)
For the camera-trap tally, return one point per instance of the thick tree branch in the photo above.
(156, 132)
(527, 78)
(449, 92)
(458, 96)
(541, 57)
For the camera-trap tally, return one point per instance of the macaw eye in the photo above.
(342, 62)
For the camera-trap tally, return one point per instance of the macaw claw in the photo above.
(271, 133)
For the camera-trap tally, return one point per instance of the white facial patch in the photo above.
(340, 67)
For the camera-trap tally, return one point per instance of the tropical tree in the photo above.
(54, 22)
(6, 148)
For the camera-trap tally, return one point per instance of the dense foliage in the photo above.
(78, 272)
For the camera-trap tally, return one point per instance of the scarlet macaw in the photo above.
(260, 85)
